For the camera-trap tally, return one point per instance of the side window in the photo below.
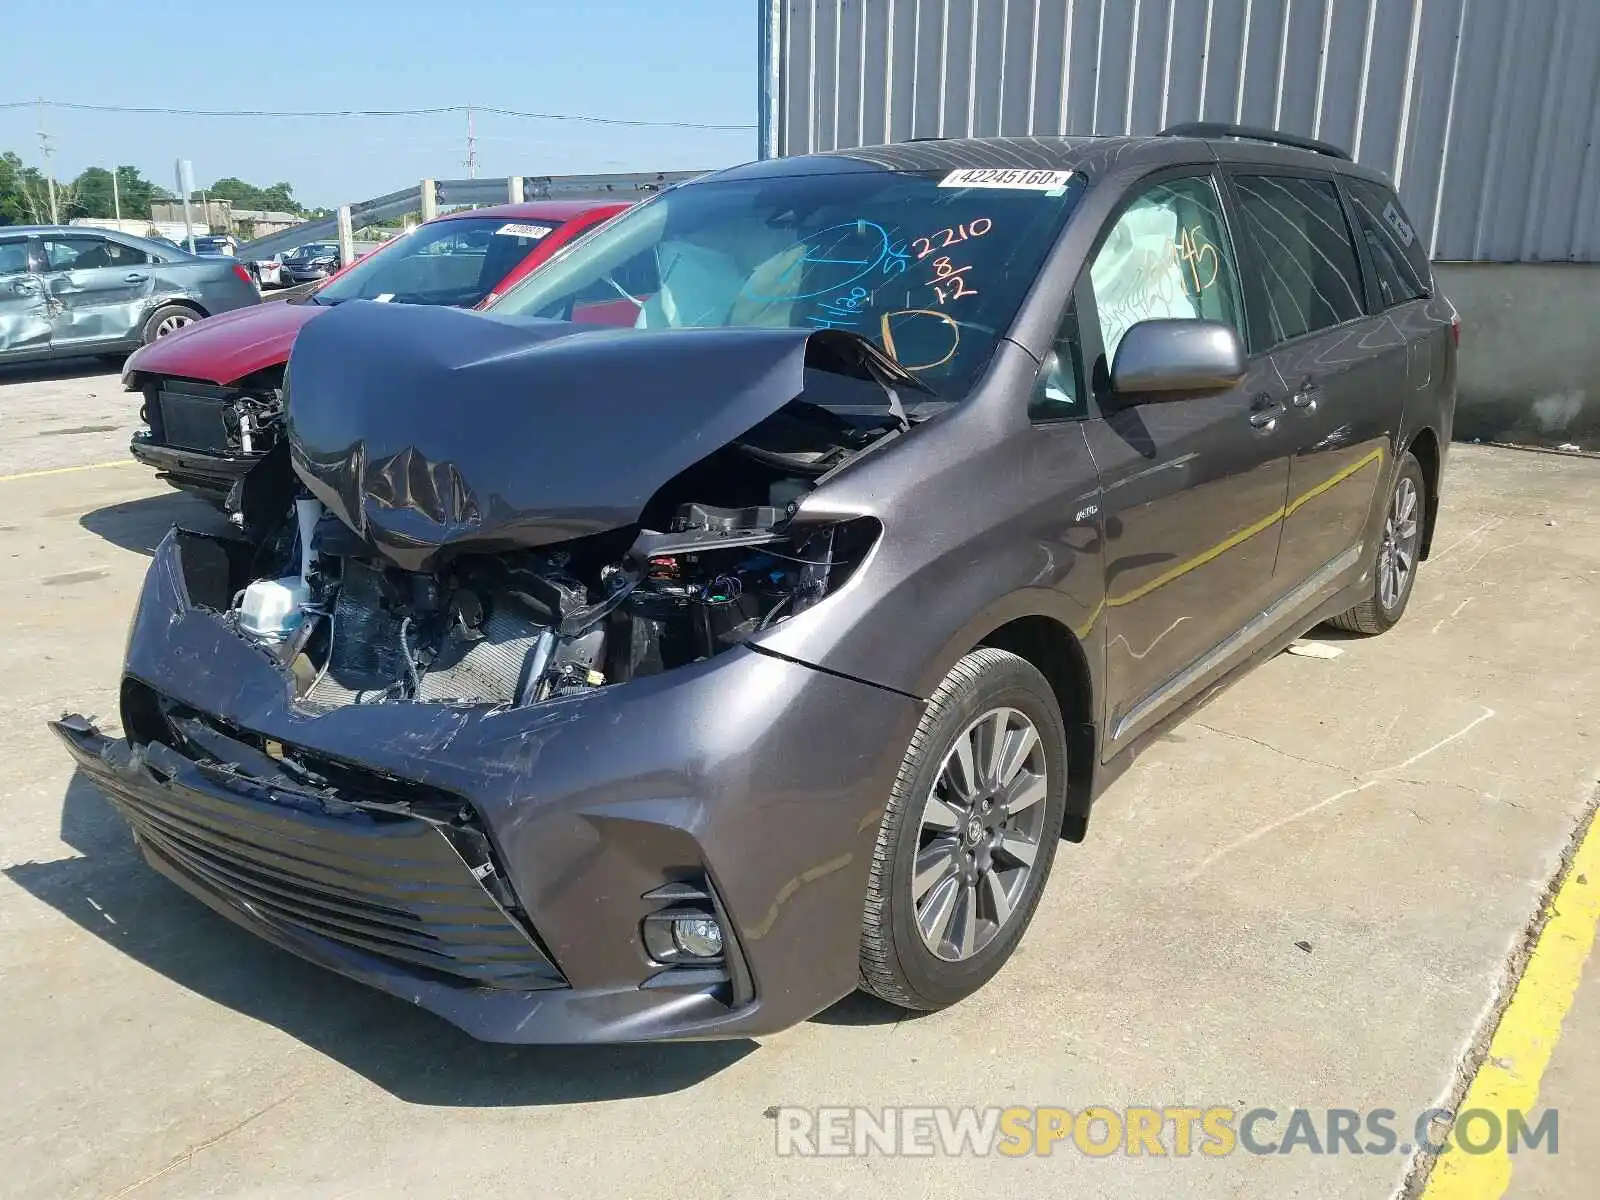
(1308, 262)
(126, 256)
(14, 257)
(1399, 259)
(1058, 391)
(76, 253)
(1167, 256)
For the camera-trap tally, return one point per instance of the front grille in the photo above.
(191, 415)
(392, 887)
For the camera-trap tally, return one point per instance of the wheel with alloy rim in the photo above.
(980, 834)
(1397, 556)
(1394, 569)
(969, 834)
(168, 319)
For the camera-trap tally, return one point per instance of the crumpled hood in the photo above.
(430, 428)
(225, 348)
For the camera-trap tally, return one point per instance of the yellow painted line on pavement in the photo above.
(119, 462)
(1529, 1028)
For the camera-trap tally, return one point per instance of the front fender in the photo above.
(985, 519)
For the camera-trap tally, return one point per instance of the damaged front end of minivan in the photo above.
(470, 704)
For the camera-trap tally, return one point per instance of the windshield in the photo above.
(457, 262)
(931, 271)
(315, 250)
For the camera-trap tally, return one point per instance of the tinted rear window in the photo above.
(1309, 276)
(1399, 258)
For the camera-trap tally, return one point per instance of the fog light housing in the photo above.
(700, 937)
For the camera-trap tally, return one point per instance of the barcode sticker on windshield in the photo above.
(512, 229)
(1020, 180)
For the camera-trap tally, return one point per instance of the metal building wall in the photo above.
(1486, 112)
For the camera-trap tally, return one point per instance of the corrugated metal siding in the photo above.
(1486, 112)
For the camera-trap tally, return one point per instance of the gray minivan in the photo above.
(744, 607)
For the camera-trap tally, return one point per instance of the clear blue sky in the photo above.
(681, 60)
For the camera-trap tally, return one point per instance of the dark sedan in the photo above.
(307, 264)
(67, 291)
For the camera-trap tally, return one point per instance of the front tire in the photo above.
(968, 836)
(1394, 569)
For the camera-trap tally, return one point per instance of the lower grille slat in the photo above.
(402, 928)
(395, 889)
(434, 957)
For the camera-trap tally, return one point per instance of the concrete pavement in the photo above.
(1307, 895)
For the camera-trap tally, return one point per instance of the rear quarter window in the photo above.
(1399, 258)
(14, 257)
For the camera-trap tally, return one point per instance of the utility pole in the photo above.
(184, 174)
(472, 147)
(116, 198)
(49, 171)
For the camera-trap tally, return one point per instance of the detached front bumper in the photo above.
(759, 778)
(195, 470)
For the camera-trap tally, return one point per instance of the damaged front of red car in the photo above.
(213, 391)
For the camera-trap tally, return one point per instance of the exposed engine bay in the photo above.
(517, 628)
(244, 419)
(715, 555)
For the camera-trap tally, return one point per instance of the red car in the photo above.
(213, 391)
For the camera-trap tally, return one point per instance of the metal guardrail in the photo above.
(453, 193)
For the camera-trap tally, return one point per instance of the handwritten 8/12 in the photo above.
(949, 281)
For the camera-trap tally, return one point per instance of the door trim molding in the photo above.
(1302, 596)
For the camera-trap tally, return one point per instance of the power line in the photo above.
(584, 118)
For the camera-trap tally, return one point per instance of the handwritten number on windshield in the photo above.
(833, 259)
(840, 311)
(946, 238)
(948, 282)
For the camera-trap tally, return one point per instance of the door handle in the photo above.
(1265, 416)
(25, 287)
(134, 277)
(1307, 397)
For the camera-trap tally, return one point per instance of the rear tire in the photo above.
(1394, 566)
(968, 836)
(169, 318)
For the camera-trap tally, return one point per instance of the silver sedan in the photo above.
(71, 290)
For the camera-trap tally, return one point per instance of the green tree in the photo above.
(93, 195)
(138, 193)
(280, 198)
(13, 208)
(277, 198)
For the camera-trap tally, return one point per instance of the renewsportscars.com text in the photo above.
(1169, 1131)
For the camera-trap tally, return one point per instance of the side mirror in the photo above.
(1169, 358)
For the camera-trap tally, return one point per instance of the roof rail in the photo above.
(1221, 129)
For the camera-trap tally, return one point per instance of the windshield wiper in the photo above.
(625, 294)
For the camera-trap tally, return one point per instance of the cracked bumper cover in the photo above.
(589, 802)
